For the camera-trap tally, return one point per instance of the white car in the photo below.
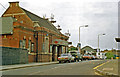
(66, 58)
(73, 59)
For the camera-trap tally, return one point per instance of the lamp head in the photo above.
(103, 33)
(86, 25)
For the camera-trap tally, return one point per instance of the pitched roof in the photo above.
(87, 48)
(42, 22)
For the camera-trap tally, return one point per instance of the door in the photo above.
(53, 52)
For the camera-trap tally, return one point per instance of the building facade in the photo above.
(43, 41)
(88, 50)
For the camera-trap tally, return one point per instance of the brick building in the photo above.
(25, 30)
(88, 50)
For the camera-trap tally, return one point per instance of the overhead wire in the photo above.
(2, 5)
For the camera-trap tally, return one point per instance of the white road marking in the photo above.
(97, 73)
(35, 73)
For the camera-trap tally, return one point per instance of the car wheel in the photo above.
(74, 60)
(59, 61)
(69, 61)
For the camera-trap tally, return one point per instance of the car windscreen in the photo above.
(85, 55)
(73, 53)
(64, 54)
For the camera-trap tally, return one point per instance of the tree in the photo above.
(72, 48)
(109, 55)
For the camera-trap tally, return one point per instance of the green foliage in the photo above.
(67, 51)
(109, 55)
(73, 48)
(94, 53)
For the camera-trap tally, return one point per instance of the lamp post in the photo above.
(116, 48)
(67, 34)
(98, 41)
(79, 44)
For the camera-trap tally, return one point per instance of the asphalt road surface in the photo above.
(75, 68)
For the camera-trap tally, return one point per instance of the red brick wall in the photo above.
(31, 58)
(45, 58)
(19, 33)
(20, 17)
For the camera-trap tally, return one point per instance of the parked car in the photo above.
(93, 57)
(66, 58)
(72, 59)
(87, 57)
(116, 57)
(96, 57)
(77, 55)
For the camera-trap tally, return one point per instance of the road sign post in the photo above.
(79, 47)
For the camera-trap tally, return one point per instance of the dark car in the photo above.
(77, 55)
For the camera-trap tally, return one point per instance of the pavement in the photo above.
(8, 67)
(109, 68)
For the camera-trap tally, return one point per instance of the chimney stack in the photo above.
(14, 4)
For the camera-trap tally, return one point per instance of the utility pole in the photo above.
(79, 44)
(98, 51)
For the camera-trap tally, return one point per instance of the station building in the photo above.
(38, 36)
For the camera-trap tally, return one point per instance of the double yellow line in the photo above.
(100, 65)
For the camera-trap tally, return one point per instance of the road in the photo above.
(75, 68)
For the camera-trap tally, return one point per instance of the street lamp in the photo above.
(79, 30)
(79, 44)
(98, 40)
(116, 48)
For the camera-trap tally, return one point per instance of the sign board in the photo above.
(59, 42)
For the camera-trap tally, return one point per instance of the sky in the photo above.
(101, 16)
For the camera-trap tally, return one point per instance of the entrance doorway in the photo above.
(53, 52)
(59, 51)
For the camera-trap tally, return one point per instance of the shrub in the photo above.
(109, 55)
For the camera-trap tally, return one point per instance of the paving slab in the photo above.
(108, 68)
(8, 67)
